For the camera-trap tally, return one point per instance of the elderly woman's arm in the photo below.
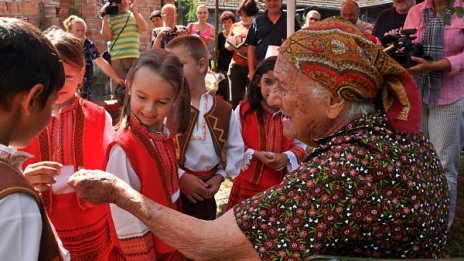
(196, 239)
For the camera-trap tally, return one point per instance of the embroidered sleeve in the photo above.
(295, 155)
(247, 157)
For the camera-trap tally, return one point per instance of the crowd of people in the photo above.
(333, 145)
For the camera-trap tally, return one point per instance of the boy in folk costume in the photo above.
(143, 152)
(31, 74)
(77, 136)
(212, 148)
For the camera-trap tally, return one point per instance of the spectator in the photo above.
(224, 56)
(441, 82)
(312, 16)
(267, 29)
(203, 29)
(238, 69)
(155, 18)
(350, 11)
(373, 186)
(392, 18)
(77, 27)
(170, 30)
(122, 31)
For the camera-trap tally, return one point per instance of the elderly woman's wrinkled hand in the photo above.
(96, 186)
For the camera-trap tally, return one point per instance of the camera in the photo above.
(402, 47)
(111, 7)
(171, 34)
(120, 93)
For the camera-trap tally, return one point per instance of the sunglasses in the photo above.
(313, 19)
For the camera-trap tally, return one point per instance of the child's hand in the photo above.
(193, 187)
(267, 158)
(42, 174)
(213, 185)
(280, 161)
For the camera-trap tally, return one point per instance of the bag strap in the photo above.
(124, 27)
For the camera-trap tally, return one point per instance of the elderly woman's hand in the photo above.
(97, 186)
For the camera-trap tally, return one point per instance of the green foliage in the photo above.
(449, 10)
(186, 10)
(74, 9)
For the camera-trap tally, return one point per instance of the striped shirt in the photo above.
(453, 50)
(128, 43)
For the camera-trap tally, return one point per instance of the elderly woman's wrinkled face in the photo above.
(302, 113)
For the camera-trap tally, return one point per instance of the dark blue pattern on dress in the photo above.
(91, 53)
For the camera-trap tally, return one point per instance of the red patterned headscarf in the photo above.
(338, 56)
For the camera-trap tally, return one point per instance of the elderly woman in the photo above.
(373, 186)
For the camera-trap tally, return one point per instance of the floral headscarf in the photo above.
(337, 55)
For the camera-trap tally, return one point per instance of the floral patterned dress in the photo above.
(91, 53)
(366, 191)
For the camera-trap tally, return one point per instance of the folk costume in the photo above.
(146, 160)
(374, 188)
(212, 145)
(26, 231)
(77, 137)
(262, 136)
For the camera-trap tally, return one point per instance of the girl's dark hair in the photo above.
(170, 68)
(254, 88)
(27, 58)
(227, 15)
(248, 7)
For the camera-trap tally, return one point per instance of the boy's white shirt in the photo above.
(201, 155)
(20, 221)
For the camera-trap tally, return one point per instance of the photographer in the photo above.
(170, 30)
(441, 84)
(121, 27)
(392, 19)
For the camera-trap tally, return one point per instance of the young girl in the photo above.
(77, 136)
(143, 153)
(268, 154)
(78, 28)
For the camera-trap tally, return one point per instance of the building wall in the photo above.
(52, 12)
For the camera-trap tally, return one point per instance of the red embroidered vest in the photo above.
(217, 119)
(14, 182)
(86, 231)
(152, 156)
(267, 137)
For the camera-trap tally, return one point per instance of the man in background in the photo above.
(392, 19)
(350, 11)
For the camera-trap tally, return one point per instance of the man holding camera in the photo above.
(392, 19)
(121, 27)
(170, 30)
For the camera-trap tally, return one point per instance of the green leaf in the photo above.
(459, 11)
(447, 19)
